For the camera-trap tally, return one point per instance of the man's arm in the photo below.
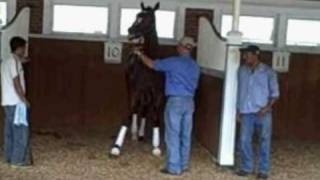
(14, 74)
(145, 59)
(19, 90)
(274, 93)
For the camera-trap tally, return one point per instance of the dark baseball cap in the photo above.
(251, 48)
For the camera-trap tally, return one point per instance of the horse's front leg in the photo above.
(118, 143)
(157, 114)
(156, 141)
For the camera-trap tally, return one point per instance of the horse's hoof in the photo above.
(115, 152)
(134, 138)
(156, 152)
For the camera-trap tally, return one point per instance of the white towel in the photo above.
(20, 116)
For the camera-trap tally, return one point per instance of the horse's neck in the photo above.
(151, 45)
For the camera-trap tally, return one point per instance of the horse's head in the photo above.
(145, 22)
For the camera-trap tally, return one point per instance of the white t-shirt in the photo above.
(9, 69)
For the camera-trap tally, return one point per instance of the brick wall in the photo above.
(192, 20)
(36, 13)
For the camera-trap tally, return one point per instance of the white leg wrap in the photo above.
(134, 127)
(119, 142)
(121, 136)
(156, 142)
(142, 127)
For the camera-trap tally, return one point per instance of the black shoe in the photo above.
(165, 171)
(186, 170)
(262, 176)
(242, 173)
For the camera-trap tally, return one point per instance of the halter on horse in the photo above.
(145, 86)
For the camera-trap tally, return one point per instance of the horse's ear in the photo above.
(142, 6)
(157, 6)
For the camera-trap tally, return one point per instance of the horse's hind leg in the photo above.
(142, 125)
(134, 127)
(142, 128)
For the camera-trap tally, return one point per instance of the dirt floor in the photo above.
(68, 156)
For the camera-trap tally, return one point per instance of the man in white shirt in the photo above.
(16, 137)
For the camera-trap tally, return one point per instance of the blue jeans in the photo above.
(178, 127)
(16, 139)
(250, 123)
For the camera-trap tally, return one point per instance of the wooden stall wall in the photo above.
(208, 112)
(69, 84)
(301, 98)
(296, 115)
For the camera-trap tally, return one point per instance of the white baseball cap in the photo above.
(187, 42)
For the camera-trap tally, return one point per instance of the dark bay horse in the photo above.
(145, 86)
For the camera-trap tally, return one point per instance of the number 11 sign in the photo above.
(112, 52)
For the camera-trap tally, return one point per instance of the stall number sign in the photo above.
(281, 61)
(112, 52)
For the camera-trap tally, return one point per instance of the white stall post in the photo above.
(228, 119)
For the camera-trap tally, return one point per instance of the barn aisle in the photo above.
(67, 155)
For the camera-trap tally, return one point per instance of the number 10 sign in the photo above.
(112, 52)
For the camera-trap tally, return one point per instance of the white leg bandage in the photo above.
(134, 127)
(156, 142)
(142, 127)
(121, 136)
(119, 141)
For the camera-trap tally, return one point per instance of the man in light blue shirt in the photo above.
(182, 76)
(258, 90)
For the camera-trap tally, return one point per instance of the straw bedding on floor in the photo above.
(84, 156)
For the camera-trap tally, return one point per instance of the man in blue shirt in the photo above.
(258, 90)
(182, 76)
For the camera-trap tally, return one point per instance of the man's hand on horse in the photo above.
(138, 52)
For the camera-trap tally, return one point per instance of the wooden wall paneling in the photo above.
(208, 112)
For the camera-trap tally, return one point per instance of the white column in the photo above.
(236, 15)
(280, 32)
(228, 119)
(114, 20)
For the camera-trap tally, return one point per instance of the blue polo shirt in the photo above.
(182, 75)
